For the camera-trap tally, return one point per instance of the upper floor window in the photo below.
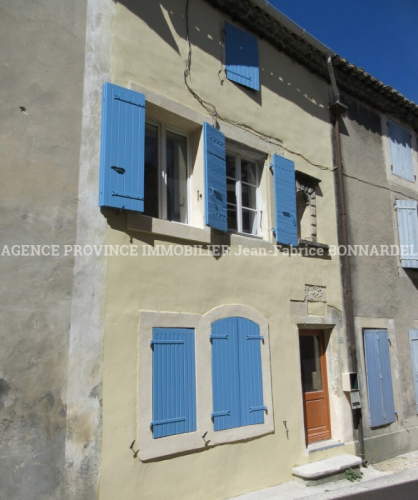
(306, 206)
(241, 50)
(401, 158)
(166, 173)
(242, 179)
(406, 211)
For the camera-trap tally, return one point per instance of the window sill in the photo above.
(314, 244)
(145, 224)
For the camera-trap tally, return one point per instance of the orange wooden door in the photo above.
(314, 385)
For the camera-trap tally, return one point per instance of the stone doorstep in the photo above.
(330, 469)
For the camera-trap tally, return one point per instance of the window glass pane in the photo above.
(232, 218)
(249, 221)
(230, 166)
(231, 194)
(310, 360)
(176, 177)
(151, 171)
(248, 172)
(249, 196)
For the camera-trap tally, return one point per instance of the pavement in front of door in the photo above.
(379, 480)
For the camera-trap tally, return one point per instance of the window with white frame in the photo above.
(166, 173)
(243, 204)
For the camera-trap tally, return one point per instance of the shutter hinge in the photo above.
(258, 408)
(124, 195)
(167, 421)
(216, 337)
(255, 337)
(152, 342)
(225, 413)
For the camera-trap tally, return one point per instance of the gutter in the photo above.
(293, 27)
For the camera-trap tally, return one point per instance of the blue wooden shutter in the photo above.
(285, 201)
(215, 178)
(413, 339)
(241, 57)
(406, 212)
(379, 378)
(225, 374)
(173, 381)
(400, 151)
(122, 149)
(251, 382)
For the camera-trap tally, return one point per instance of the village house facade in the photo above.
(193, 337)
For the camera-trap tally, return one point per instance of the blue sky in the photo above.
(380, 36)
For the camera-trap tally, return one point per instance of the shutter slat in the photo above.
(379, 378)
(122, 149)
(242, 57)
(173, 382)
(413, 340)
(285, 200)
(215, 178)
(400, 151)
(251, 383)
(406, 213)
(225, 379)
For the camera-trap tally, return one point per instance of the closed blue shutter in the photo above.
(379, 378)
(236, 374)
(400, 151)
(122, 149)
(413, 339)
(215, 178)
(173, 381)
(241, 57)
(251, 383)
(406, 212)
(225, 374)
(285, 201)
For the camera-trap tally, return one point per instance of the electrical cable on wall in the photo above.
(211, 108)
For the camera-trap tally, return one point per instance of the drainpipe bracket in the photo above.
(338, 108)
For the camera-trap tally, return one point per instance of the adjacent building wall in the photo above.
(40, 128)
(385, 295)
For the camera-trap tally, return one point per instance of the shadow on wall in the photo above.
(362, 115)
(280, 75)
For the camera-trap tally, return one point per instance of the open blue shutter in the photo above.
(406, 212)
(173, 381)
(379, 378)
(285, 201)
(400, 151)
(225, 374)
(413, 339)
(251, 383)
(122, 149)
(215, 178)
(241, 57)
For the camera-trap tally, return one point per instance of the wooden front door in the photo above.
(314, 385)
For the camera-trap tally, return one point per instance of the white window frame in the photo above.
(162, 168)
(258, 159)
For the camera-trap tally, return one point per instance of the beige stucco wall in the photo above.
(149, 51)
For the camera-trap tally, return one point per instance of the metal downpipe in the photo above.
(337, 109)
